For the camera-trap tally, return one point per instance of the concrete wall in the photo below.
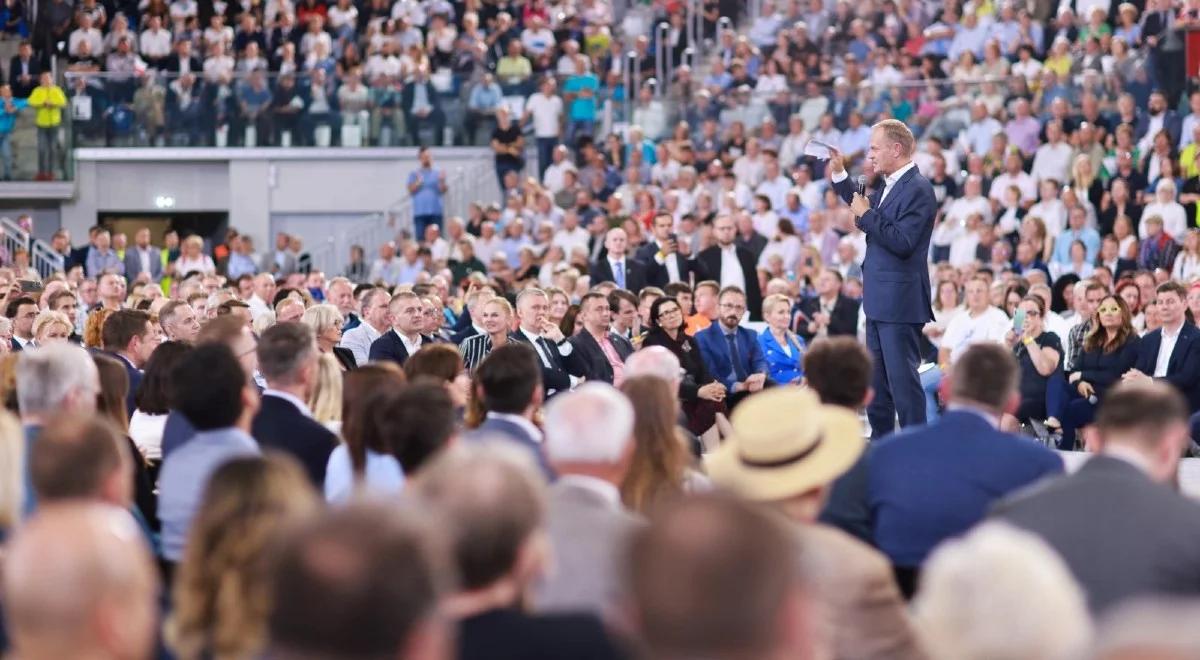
(262, 190)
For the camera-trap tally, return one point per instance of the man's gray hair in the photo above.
(1000, 593)
(283, 349)
(46, 376)
(656, 361)
(592, 424)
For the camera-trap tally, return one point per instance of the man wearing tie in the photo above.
(898, 223)
(616, 267)
(547, 340)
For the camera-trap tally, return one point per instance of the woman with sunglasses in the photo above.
(701, 395)
(1109, 350)
(1039, 355)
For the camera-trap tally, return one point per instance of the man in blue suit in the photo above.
(1171, 353)
(143, 258)
(731, 352)
(930, 483)
(510, 382)
(898, 222)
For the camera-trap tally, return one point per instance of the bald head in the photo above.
(80, 583)
(656, 361)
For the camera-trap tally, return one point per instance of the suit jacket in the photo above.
(865, 614)
(464, 334)
(895, 273)
(714, 348)
(269, 265)
(345, 357)
(587, 358)
(782, 367)
(499, 428)
(15, 346)
(656, 273)
(843, 320)
(21, 89)
(193, 65)
(1183, 369)
(929, 483)
(135, 381)
(1172, 124)
(390, 347)
(509, 634)
(588, 533)
(635, 273)
(133, 265)
(280, 425)
(555, 377)
(408, 95)
(1121, 534)
(710, 266)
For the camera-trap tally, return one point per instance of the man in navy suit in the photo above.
(510, 381)
(128, 335)
(408, 319)
(898, 223)
(616, 266)
(930, 483)
(597, 353)
(1172, 352)
(731, 352)
(664, 262)
(287, 358)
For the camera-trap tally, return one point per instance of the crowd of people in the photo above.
(619, 413)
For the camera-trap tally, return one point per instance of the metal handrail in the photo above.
(14, 237)
(45, 260)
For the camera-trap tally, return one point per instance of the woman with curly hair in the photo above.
(221, 599)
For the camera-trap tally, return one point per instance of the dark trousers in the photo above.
(420, 222)
(895, 353)
(545, 151)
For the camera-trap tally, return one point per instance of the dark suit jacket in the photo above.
(408, 95)
(176, 432)
(895, 275)
(135, 381)
(389, 347)
(280, 425)
(493, 427)
(1172, 124)
(193, 64)
(345, 357)
(133, 264)
(710, 267)
(635, 273)
(464, 334)
(554, 378)
(714, 348)
(843, 320)
(1103, 370)
(929, 483)
(587, 359)
(21, 89)
(1121, 534)
(656, 273)
(1183, 370)
(15, 345)
(508, 634)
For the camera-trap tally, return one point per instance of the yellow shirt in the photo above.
(1188, 161)
(49, 102)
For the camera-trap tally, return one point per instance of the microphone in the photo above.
(862, 184)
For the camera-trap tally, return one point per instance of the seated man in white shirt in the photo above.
(980, 322)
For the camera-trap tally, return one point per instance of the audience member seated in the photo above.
(1109, 350)
(364, 460)
(507, 393)
(701, 395)
(730, 351)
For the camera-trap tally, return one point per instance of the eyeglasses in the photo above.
(732, 306)
(1109, 310)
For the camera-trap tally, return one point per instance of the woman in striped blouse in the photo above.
(496, 321)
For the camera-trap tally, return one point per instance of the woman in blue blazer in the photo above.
(782, 348)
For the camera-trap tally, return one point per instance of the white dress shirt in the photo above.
(889, 181)
(1164, 351)
(359, 339)
(410, 346)
(670, 262)
(731, 269)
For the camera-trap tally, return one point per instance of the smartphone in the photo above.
(30, 286)
(1019, 321)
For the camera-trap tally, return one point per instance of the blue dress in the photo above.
(785, 364)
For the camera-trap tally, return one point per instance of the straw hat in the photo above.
(785, 443)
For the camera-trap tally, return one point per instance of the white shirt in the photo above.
(1052, 161)
(965, 330)
(411, 347)
(144, 259)
(546, 112)
(671, 263)
(359, 339)
(258, 307)
(731, 269)
(290, 398)
(1164, 351)
(520, 421)
(889, 181)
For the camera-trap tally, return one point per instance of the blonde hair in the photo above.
(50, 317)
(319, 317)
(898, 132)
(221, 597)
(775, 299)
(326, 398)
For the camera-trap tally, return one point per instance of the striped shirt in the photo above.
(474, 349)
